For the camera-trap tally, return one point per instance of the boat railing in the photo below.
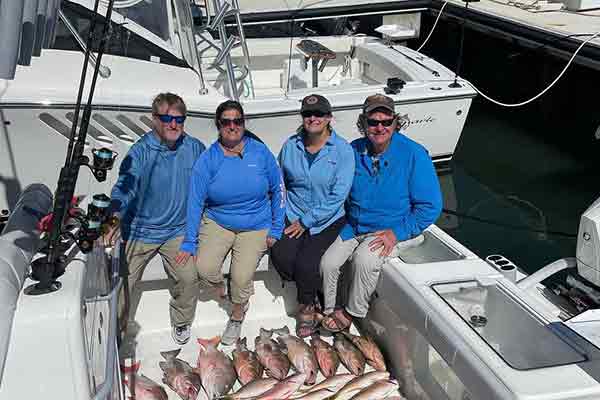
(223, 62)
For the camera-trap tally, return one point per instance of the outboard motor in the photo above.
(588, 244)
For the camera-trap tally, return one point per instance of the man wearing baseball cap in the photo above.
(395, 195)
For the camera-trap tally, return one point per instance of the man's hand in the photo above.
(182, 257)
(295, 230)
(112, 234)
(383, 239)
(270, 241)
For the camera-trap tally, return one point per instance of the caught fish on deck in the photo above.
(369, 349)
(359, 383)
(326, 356)
(300, 354)
(332, 384)
(349, 354)
(140, 386)
(252, 389)
(378, 390)
(246, 363)
(283, 389)
(215, 368)
(316, 395)
(180, 376)
(276, 364)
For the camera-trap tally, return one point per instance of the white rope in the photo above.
(434, 25)
(546, 89)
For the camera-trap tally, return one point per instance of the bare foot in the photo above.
(238, 312)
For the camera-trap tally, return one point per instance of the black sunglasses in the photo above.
(384, 122)
(316, 113)
(234, 121)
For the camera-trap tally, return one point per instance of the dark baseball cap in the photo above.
(315, 102)
(378, 101)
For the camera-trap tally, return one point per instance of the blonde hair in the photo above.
(171, 99)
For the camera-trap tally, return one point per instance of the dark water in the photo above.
(520, 177)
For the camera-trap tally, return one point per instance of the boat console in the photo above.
(457, 327)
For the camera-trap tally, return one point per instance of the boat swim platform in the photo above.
(554, 30)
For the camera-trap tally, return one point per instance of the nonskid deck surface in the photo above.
(272, 306)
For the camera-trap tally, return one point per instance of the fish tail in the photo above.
(282, 331)
(265, 333)
(204, 343)
(242, 344)
(169, 355)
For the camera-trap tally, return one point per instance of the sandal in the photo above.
(339, 320)
(306, 321)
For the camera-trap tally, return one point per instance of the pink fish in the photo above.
(215, 368)
(140, 386)
(370, 350)
(246, 363)
(351, 357)
(326, 356)
(284, 389)
(270, 355)
(180, 376)
(300, 354)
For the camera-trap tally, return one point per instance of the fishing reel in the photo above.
(103, 160)
(98, 214)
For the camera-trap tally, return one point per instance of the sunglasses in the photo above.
(166, 118)
(234, 121)
(384, 122)
(318, 114)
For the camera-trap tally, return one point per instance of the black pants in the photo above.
(298, 259)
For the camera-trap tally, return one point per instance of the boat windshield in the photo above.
(151, 15)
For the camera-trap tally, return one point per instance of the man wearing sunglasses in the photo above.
(395, 195)
(150, 200)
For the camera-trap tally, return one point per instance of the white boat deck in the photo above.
(562, 22)
(272, 306)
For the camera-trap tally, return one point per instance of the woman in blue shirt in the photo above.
(317, 167)
(235, 203)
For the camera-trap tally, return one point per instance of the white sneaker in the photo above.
(181, 334)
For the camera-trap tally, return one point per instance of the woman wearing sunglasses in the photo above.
(317, 167)
(394, 197)
(235, 203)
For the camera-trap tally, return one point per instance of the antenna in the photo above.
(455, 84)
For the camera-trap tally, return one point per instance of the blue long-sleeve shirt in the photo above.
(239, 193)
(316, 192)
(150, 192)
(404, 195)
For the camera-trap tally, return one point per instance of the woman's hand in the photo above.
(270, 241)
(295, 230)
(182, 257)
(385, 239)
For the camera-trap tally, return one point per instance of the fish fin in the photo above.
(243, 342)
(135, 367)
(169, 355)
(162, 365)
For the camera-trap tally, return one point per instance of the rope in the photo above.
(433, 27)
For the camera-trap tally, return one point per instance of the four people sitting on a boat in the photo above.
(360, 203)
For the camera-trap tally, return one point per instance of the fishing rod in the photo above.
(51, 266)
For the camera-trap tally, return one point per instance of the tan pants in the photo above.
(247, 248)
(184, 278)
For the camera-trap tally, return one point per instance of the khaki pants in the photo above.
(184, 278)
(247, 248)
(366, 265)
